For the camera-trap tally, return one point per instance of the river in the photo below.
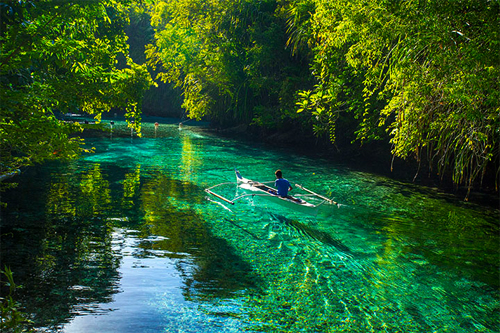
(126, 240)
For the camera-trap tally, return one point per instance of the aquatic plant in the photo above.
(12, 318)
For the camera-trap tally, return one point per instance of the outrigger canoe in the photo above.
(258, 189)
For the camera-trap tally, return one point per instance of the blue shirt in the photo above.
(283, 185)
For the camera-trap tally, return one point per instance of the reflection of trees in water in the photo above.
(213, 268)
(62, 255)
(131, 185)
(75, 270)
(59, 243)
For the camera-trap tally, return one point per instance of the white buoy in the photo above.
(111, 123)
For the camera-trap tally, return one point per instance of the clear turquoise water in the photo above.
(126, 240)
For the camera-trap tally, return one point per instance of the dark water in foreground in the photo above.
(126, 240)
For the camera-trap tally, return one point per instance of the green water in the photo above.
(126, 240)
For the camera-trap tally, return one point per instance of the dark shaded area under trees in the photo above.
(162, 99)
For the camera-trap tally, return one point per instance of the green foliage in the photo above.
(420, 75)
(228, 58)
(12, 319)
(61, 56)
(427, 72)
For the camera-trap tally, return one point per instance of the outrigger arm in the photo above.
(209, 191)
(219, 196)
(318, 195)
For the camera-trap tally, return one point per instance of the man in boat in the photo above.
(282, 184)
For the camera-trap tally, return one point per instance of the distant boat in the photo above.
(9, 175)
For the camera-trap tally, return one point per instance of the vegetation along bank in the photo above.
(418, 80)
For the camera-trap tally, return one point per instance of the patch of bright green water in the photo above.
(126, 240)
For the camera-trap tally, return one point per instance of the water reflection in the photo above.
(67, 255)
(131, 185)
(60, 249)
(191, 158)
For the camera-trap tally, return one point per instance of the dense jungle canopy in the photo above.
(420, 75)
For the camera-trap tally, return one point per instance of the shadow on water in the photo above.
(253, 235)
(314, 234)
(60, 242)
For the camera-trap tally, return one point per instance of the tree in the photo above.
(61, 56)
(427, 72)
(229, 59)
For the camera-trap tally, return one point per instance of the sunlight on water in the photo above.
(126, 240)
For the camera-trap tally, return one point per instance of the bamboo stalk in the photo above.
(219, 196)
(316, 194)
